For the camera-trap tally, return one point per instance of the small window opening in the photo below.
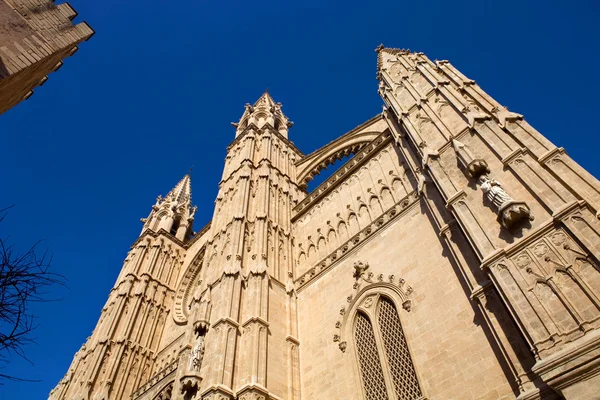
(175, 226)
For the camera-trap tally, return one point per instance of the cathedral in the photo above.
(454, 255)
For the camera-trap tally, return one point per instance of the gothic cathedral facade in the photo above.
(455, 255)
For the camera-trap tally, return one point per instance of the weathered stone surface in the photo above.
(35, 36)
(411, 272)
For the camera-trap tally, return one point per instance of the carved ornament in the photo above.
(366, 291)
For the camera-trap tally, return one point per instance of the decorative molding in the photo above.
(259, 131)
(349, 143)
(185, 286)
(159, 377)
(366, 281)
(328, 262)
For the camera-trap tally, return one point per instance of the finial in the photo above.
(190, 170)
(379, 48)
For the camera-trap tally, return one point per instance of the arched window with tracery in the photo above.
(386, 368)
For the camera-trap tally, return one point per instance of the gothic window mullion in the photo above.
(389, 381)
(398, 361)
(375, 384)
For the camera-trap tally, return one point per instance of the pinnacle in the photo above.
(388, 53)
(183, 190)
(265, 99)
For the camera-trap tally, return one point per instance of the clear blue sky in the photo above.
(153, 92)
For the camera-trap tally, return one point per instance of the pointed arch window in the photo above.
(385, 364)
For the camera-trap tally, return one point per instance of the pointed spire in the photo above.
(265, 111)
(388, 55)
(265, 100)
(182, 192)
(173, 213)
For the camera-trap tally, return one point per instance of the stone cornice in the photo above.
(249, 163)
(255, 320)
(577, 358)
(226, 321)
(153, 234)
(139, 279)
(534, 235)
(551, 153)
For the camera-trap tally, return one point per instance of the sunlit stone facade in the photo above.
(454, 256)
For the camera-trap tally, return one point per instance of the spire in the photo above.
(182, 192)
(265, 111)
(387, 56)
(174, 213)
(265, 100)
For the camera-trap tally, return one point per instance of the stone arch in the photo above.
(350, 143)
(311, 250)
(331, 235)
(157, 220)
(321, 246)
(366, 300)
(302, 257)
(185, 287)
(386, 196)
(364, 215)
(375, 205)
(165, 392)
(342, 231)
(396, 293)
(353, 226)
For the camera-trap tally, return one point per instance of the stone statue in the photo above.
(510, 212)
(197, 354)
(193, 212)
(159, 199)
(494, 191)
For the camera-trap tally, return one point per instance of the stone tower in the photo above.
(455, 255)
(120, 353)
(35, 36)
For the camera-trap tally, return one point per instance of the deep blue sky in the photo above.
(153, 92)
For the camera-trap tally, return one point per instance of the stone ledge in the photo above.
(577, 362)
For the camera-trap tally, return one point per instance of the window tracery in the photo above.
(385, 364)
(397, 353)
(377, 342)
(370, 363)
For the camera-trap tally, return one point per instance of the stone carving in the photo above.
(428, 153)
(197, 354)
(473, 166)
(509, 211)
(374, 283)
(494, 191)
(400, 207)
(262, 230)
(359, 269)
(421, 181)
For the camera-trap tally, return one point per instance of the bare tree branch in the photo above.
(24, 279)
